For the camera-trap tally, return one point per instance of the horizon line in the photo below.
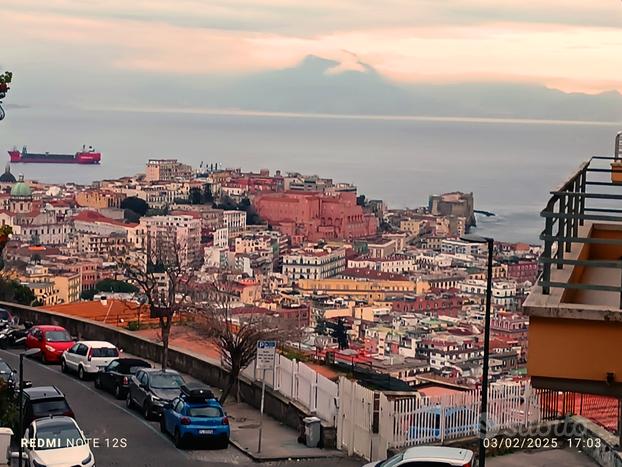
(321, 115)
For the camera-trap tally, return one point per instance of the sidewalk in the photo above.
(279, 442)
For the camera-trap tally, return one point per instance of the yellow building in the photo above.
(413, 226)
(52, 288)
(362, 312)
(499, 271)
(68, 286)
(368, 289)
(98, 199)
(45, 292)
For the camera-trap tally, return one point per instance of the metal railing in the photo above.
(583, 197)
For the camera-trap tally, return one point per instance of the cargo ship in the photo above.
(86, 156)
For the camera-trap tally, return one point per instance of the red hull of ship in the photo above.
(79, 158)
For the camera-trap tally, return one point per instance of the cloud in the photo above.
(572, 45)
(303, 18)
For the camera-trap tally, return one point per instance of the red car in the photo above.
(51, 340)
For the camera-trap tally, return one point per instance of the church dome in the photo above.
(21, 189)
(7, 176)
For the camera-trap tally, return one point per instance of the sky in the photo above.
(571, 45)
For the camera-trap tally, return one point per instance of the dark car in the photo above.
(6, 316)
(151, 389)
(7, 374)
(44, 401)
(116, 376)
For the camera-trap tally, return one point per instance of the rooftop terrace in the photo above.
(575, 310)
(582, 257)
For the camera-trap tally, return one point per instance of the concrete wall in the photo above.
(197, 366)
(606, 452)
(574, 348)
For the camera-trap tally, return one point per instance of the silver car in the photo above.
(428, 456)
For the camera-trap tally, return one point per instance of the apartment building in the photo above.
(314, 263)
(99, 199)
(445, 350)
(167, 170)
(396, 264)
(172, 237)
(367, 289)
(454, 246)
(235, 221)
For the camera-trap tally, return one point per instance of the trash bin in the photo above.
(312, 431)
(5, 443)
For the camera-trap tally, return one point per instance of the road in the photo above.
(122, 437)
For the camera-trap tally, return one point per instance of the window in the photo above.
(5, 368)
(105, 352)
(82, 350)
(392, 461)
(58, 436)
(425, 464)
(44, 407)
(178, 406)
(57, 336)
(114, 366)
(209, 411)
(166, 381)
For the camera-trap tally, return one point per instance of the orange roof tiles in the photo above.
(112, 311)
(432, 391)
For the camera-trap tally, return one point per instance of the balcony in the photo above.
(575, 310)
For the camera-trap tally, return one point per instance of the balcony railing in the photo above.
(590, 195)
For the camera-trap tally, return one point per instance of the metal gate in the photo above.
(355, 417)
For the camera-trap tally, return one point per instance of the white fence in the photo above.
(300, 383)
(421, 420)
(355, 419)
(417, 420)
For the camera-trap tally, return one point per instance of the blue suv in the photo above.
(196, 416)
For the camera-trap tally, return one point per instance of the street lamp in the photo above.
(20, 422)
(483, 422)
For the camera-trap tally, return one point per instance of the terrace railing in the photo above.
(590, 194)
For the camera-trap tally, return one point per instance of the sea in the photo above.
(509, 165)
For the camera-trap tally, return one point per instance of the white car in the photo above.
(88, 357)
(428, 456)
(56, 442)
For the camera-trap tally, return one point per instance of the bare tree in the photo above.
(165, 281)
(236, 338)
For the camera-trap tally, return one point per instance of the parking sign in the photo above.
(266, 351)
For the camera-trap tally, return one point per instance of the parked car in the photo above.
(44, 401)
(428, 456)
(57, 441)
(116, 376)
(196, 417)
(88, 357)
(51, 340)
(6, 316)
(150, 389)
(8, 375)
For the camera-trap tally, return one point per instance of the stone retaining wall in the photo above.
(200, 367)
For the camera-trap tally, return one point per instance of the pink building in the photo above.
(314, 216)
